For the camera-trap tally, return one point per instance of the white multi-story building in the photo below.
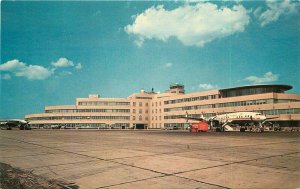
(162, 110)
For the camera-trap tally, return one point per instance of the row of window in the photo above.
(205, 106)
(88, 125)
(156, 125)
(224, 94)
(228, 104)
(103, 103)
(140, 111)
(175, 125)
(280, 111)
(140, 118)
(140, 104)
(156, 103)
(81, 117)
(208, 97)
(155, 118)
(198, 116)
(146, 118)
(89, 110)
(264, 112)
(140, 97)
(189, 108)
(156, 111)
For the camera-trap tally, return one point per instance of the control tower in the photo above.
(176, 88)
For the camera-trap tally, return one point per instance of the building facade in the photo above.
(151, 110)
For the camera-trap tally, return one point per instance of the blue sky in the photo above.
(53, 52)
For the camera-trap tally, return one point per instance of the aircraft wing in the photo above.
(194, 118)
(271, 118)
(187, 117)
(190, 118)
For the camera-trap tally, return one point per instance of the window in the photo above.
(140, 118)
(140, 111)
(297, 111)
(140, 104)
(133, 110)
(134, 103)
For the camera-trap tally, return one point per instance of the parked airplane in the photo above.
(14, 123)
(221, 122)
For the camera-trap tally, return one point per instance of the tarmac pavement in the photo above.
(156, 159)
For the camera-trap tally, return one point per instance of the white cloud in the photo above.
(12, 65)
(206, 86)
(275, 10)
(31, 72)
(139, 42)
(193, 25)
(257, 12)
(63, 62)
(267, 77)
(78, 66)
(36, 72)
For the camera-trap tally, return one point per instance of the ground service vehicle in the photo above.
(201, 126)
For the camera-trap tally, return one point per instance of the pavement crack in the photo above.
(236, 162)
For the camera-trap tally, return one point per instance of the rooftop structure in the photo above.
(254, 89)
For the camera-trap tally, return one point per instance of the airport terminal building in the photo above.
(151, 110)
